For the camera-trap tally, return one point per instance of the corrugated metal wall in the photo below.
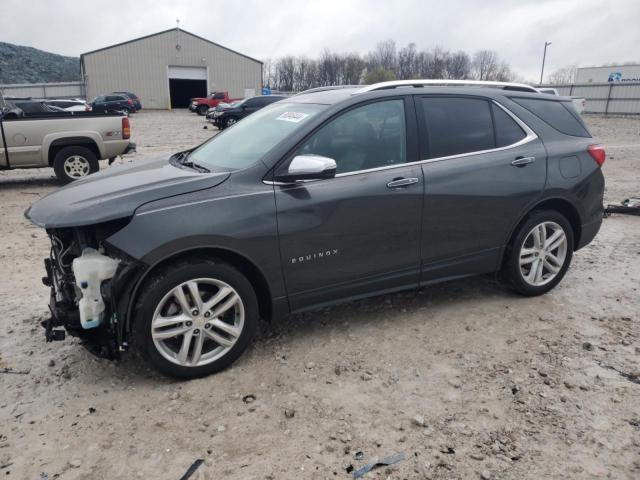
(609, 98)
(141, 67)
(44, 90)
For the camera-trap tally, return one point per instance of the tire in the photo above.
(229, 121)
(157, 303)
(75, 162)
(202, 109)
(551, 262)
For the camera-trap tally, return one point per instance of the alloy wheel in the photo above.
(543, 253)
(197, 322)
(76, 166)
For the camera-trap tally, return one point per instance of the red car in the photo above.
(201, 105)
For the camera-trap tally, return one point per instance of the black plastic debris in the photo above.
(192, 469)
(378, 463)
(630, 206)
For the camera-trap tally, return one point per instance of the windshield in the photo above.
(249, 140)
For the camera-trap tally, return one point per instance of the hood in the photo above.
(117, 192)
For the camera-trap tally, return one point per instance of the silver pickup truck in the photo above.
(70, 142)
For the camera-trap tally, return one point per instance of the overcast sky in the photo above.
(587, 32)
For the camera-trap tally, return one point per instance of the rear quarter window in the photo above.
(508, 131)
(555, 114)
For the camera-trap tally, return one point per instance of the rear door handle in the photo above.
(402, 182)
(522, 161)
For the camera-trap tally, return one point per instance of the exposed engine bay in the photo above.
(85, 277)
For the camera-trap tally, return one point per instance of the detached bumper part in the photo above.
(130, 148)
(90, 269)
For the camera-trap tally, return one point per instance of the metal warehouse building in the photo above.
(167, 68)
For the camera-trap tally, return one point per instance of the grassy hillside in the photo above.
(20, 64)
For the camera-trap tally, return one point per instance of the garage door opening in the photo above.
(181, 90)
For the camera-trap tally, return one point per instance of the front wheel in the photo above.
(230, 121)
(194, 319)
(540, 253)
(75, 162)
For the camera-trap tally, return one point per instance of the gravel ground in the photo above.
(467, 379)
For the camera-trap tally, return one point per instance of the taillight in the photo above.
(597, 153)
(129, 101)
(126, 128)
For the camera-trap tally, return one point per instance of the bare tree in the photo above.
(268, 79)
(383, 57)
(285, 69)
(564, 75)
(353, 66)
(485, 65)
(383, 63)
(459, 66)
(408, 62)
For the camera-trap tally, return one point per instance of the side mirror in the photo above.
(308, 167)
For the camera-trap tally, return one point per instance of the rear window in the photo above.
(555, 114)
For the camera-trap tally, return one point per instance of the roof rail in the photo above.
(330, 87)
(521, 87)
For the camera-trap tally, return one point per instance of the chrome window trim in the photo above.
(529, 137)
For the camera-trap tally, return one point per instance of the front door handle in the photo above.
(402, 182)
(522, 161)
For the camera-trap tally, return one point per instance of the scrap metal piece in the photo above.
(379, 463)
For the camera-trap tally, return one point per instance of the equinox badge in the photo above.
(315, 256)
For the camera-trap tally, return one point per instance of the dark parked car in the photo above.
(227, 116)
(137, 103)
(112, 103)
(331, 195)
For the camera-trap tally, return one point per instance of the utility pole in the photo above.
(544, 56)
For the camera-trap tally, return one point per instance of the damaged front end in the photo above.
(90, 285)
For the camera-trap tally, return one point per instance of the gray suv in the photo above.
(331, 195)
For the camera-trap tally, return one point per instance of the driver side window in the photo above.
(366, 137)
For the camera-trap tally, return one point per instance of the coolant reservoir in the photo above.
(91, 269)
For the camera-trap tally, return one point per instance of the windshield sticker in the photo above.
(294, 117)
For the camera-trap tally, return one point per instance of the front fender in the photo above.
(241, 222)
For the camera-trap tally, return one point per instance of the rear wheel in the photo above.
(540, 253)
(202, 109)
(194, 319)
(75, 162)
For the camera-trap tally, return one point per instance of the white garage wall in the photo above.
(142, 66)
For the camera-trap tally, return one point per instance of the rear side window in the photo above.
(556, 114)
(508, 131)
(457, 125)
(218, 96)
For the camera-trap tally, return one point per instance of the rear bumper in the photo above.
(589, 231)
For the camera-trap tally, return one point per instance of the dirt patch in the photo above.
(467, 379)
